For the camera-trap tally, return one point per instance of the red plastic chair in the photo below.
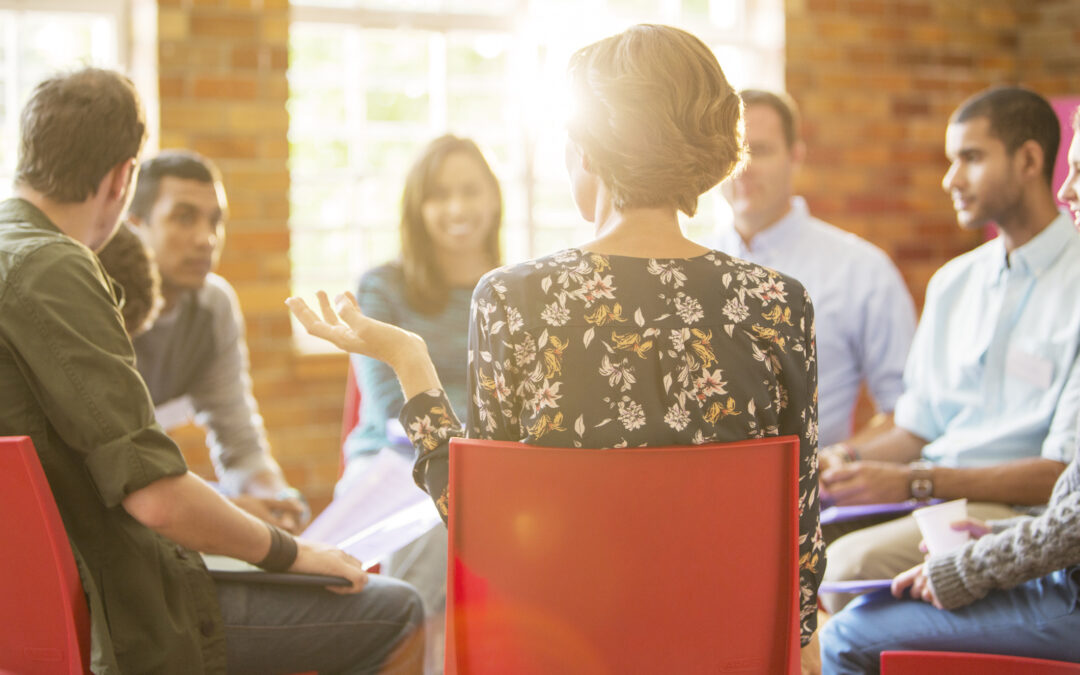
(554, 559)
(927, 663)
(45, 624)
(350, 413)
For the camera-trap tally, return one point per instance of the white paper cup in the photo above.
(935, 524)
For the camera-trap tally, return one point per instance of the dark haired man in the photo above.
(133, 512)
(863, 313)
(992, 385)
(194, 355)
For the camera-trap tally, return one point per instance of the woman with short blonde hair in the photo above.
(640, 336)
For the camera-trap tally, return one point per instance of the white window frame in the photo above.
(745, 35)
(120, 10)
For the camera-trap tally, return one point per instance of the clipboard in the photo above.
(224, 568)
(857, 586)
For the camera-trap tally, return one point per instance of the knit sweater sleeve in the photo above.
(1031, 548)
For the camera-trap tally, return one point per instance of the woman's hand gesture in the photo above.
(351, 331)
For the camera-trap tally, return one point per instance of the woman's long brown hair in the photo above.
(425, 287)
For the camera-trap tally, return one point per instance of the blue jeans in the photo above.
(1039, 618)
(272, 628)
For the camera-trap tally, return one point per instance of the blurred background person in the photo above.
(863, 313)
(130, 264)
(451, 215)
(196, 350)
(1012, 590)
(639, 336)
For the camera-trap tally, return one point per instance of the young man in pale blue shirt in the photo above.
(864, 315)
(992, 385)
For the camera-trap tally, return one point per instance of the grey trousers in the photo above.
(272, 628)
(422, 564)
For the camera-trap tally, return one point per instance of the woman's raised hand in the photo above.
(349, 330)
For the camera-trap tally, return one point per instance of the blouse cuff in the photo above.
(430, 423)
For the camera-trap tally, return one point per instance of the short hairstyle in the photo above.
(655, 116)
(1016, 115)
(178, 164)
(130, 264)
(425, 288)
(75, 128)
(782, 104)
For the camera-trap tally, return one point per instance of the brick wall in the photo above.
(876, 80)
(1050, 47)
(223, 92)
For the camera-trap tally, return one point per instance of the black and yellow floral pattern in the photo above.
(579, 349)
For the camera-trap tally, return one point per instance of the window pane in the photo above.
(37, 44)
(390, 54)
(397, 106)
(365, 101)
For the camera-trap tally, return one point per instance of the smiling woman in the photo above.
(1070, 189)
(371, 81)
(451, 217)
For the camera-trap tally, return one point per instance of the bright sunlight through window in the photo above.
(39, 38)
(371, 81)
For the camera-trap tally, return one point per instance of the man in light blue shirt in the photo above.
(992, 385)
(863, 312)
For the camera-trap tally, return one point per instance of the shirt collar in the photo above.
(1037, 255)
(776, 236)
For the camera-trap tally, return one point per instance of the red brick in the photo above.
(226, 87)
(227, 26)
(226, 147)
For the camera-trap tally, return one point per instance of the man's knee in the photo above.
(399, 600)
(878, 552)
(853, 556)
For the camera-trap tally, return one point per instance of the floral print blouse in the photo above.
(579, 349)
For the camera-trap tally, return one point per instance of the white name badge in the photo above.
(1030, 368)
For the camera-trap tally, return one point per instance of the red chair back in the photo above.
(646, 560)
(350, 413)
(921, 663)
(44, 625)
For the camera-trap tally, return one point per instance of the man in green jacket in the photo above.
(133, 512)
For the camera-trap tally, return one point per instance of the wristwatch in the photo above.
(922, 480)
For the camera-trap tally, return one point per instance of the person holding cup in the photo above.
(935, 524)
(1013, 590)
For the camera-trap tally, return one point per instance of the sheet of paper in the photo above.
(175, 413)
(376, 510)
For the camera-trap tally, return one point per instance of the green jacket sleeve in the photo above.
(61, 318)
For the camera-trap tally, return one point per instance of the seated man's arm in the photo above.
(62, 324)
(874, 472)
(868, 481)
(188, 511)
(1026, 481)
(1022, 481)
(225, 406)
